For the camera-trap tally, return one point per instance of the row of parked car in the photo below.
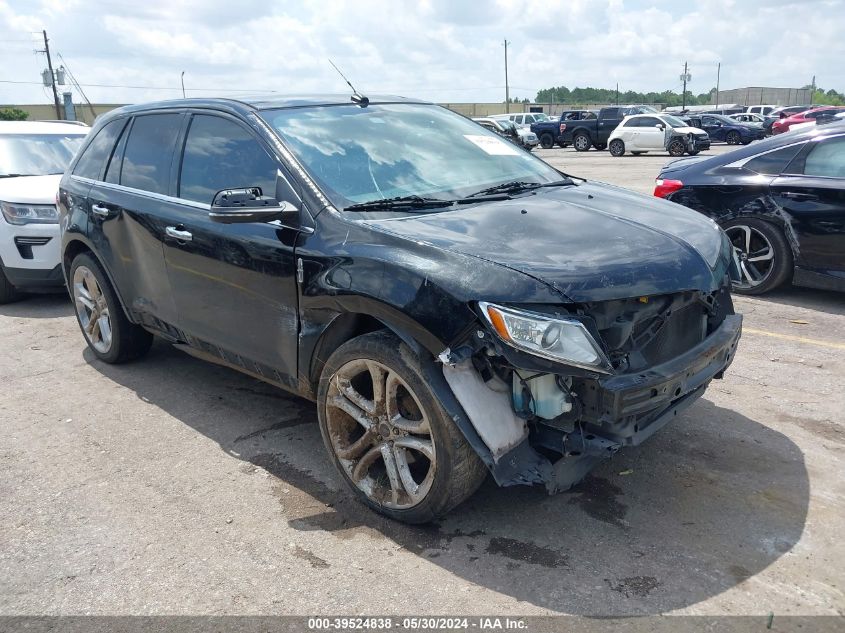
(677, 132)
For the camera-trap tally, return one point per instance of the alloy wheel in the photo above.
(582, 143)
(755, 253)
(380, 434)
(92, 309)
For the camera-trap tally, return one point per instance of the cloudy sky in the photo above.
(442, 50)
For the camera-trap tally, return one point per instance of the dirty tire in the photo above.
(547, 141)
(617, 147)
(458, 470)
(781, 267)
(581, 142)
(8, 293)
(128, 341)
(676, 148)
(732, 138)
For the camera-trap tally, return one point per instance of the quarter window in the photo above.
(220, 154)
(149, 151)
(93, 159)
(773, 163)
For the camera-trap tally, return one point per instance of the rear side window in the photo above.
(149, 151)
(94, 157)
(773, 163)
(220, 154)
(631, 123)
(826, 158)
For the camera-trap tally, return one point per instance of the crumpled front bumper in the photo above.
(621, 410)
(627, 408)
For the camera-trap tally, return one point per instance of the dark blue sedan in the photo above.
(781, 203)
(730, 131)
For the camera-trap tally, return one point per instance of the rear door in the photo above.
(812, 191)
(129, 210)
(234, 284)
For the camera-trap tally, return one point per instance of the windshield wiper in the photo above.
(516, 186)
(400, 202)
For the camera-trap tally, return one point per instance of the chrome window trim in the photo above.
(182, 201)
(742, 161)
(142, 192)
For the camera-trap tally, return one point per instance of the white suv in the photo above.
(33, 156)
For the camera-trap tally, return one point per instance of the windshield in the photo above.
(391, 150)
(540, 116)
(37, 154)
(674, 121)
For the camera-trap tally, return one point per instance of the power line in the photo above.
(38, 83)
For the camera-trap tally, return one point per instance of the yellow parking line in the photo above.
(797, 339)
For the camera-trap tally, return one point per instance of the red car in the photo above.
(783, 125)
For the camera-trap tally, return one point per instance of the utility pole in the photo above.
(507, 89)
(52, 76)
(718, 72)
(685, 78)
(617, 93)
(182, 78)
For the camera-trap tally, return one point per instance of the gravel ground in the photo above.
(171, 486)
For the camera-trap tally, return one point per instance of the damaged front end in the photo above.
(550, 391)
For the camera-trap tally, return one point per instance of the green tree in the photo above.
(13, 114)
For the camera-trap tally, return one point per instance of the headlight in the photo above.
(558, 339)
(29, 213)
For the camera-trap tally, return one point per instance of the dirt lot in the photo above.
(174, 486)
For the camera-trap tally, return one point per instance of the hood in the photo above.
(686, 129)
(30, 189)
(588, 242)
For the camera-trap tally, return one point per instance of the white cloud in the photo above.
(444, 50)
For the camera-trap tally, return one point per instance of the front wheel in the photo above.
(765, 259)
(110, 335)
(676, 148)
(547, 141)
(617, 147)
(581, 143)
(388, 435)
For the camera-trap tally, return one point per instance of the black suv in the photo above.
(453, 304)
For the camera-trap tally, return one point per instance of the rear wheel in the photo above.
(617, 147)
(581, 142)
(732, 138)
(765, 259)
(8, 292)
(388, 435)
(110, 335)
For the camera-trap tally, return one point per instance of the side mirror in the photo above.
(249, 204)
(659, 126)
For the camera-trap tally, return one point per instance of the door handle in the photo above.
(177, 234)
(797, 195)
(100, 210)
